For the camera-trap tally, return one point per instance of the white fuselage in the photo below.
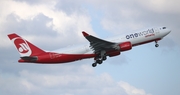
(136, 38)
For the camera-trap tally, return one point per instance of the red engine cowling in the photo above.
(125, 46)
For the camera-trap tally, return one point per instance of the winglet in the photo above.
(85, 34)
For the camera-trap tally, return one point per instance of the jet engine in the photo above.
(125, 46)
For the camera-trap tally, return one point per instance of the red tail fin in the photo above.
(24, 47)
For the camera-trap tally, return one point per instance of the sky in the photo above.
(54, 24)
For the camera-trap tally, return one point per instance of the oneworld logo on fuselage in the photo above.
(147, 33)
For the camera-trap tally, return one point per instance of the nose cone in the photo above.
(168, 31)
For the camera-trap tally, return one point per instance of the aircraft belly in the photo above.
(144, 39)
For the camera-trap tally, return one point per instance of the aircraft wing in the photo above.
(99, 45)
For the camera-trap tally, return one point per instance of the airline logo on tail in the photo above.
(22, 46)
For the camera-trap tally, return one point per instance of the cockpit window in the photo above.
(164, 28)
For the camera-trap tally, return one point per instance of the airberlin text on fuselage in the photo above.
(144, 33)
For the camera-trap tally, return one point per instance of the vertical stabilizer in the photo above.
(24, 47)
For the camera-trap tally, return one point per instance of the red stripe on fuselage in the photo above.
(52, 58)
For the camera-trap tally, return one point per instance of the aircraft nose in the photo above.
(168, 31)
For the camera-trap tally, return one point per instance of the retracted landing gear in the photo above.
(156, 45)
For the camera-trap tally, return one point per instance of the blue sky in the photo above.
(144, 70)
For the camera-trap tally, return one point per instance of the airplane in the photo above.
(98, 49)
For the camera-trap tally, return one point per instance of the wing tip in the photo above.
(85, 34)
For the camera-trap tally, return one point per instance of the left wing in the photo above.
(99, 45)
(105, 48)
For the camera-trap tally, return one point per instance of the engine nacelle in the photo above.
(125, 46)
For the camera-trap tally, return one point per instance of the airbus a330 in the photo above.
(99, 49)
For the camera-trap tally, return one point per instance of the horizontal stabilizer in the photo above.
(30, 58)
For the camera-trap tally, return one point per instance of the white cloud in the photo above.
(161, 6)
(66, 26)
(84, 81)
(11, 84)
(119, 16)
(130, 90)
